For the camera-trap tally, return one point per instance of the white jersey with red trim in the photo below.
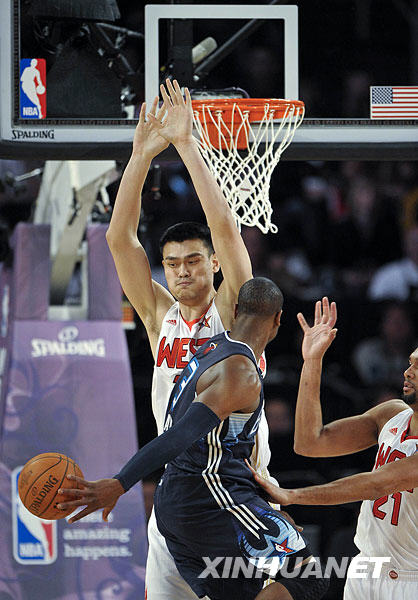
(387, 526)
(177, 343)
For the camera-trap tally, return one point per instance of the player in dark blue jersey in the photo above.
(207, 504)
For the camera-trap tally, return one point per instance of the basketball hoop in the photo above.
(237, 140)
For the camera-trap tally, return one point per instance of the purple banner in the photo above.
(5, 333)
(105, 293)
(31, 271)
(69, 390)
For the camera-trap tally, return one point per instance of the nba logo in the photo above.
(32, 88)
(34, 539)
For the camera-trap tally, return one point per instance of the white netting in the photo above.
(244, 175)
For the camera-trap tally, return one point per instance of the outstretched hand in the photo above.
(147, 140)
(177, 125)
(103, 493)
(276, 494)
(318, 338)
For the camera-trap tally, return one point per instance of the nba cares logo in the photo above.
(34, 539)
(68, 334)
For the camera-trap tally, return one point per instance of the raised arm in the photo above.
(397, 476)
(227, 241)
(344, 436)
(149, 299)
(312, 437)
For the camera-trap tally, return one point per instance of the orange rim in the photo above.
(255, 107)
(252, 109)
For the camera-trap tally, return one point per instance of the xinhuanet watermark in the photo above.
(232, 567)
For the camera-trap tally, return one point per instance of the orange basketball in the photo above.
(41, 478)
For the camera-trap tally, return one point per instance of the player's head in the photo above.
(33, 62)
(189, 261)
(261, 299)
(188, 230)
(411, 379)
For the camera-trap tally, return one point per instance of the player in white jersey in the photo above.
(389, 513)
(177, 320)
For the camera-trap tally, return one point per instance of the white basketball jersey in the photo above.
(177, 344)
(388, 526)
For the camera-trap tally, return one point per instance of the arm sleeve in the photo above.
(195, 424)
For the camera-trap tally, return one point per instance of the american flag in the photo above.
(394, 102)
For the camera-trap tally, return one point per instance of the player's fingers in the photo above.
(160, 113)
(154, 106)
(179, 94)
(77, 493)
(249, 466)
(142, 113)
(260, 480)
(291, 520)
(172, 92)
(318, 311)
(253, 471)
(302, 322)
(188, 97)
(165, 97)
(106, 512)
(80, 480)
(81, 514)
(325, 309)
(72, 504)
(333, 314)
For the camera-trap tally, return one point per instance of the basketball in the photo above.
(40, 89)
(39, 481)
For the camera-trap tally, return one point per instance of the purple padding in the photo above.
(31, 271)
(5, 334)
(70, 391)
(105, 294)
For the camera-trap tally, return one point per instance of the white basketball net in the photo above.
(244, 175)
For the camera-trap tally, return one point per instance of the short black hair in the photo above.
(259, 297)
(188, 230)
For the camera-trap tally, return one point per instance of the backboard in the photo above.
(328, 54)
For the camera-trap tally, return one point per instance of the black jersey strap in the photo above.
(197, 422)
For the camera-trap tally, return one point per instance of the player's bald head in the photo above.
(259, 297)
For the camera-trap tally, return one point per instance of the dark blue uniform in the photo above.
(207, 503)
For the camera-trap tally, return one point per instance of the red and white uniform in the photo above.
(177, 344)
(388, 526)
(178, 341)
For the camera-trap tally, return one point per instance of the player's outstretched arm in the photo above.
(228, 244)
(312, 437)
(397, 476)
(104, 493)
(149, 299)
(230, 385)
